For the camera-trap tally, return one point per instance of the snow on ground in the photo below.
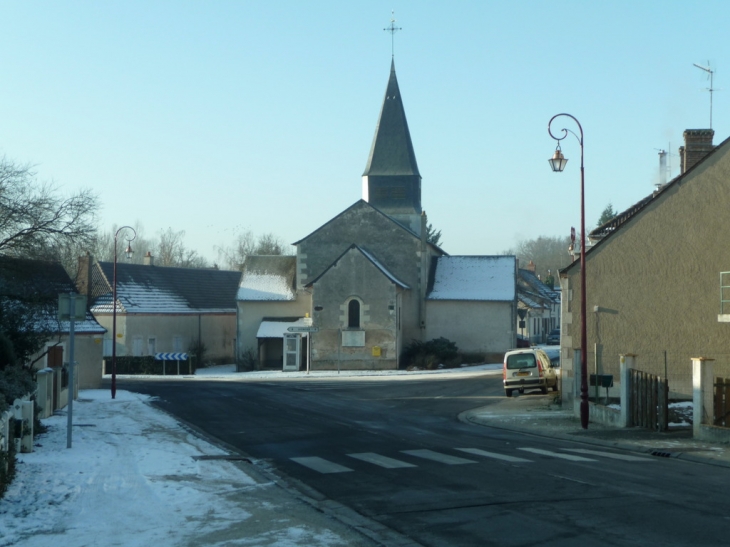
(132, 479)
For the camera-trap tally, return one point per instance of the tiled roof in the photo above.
(163, 290)
(268, 278)
(482, 278)
(38, 283)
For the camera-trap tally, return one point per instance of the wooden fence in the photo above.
(649, 400)
(722, 402)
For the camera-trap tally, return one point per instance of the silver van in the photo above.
(528, 368)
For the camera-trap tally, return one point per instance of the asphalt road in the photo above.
(393, 449)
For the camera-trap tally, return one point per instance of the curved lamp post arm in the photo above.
(558, 163)
(128, 251)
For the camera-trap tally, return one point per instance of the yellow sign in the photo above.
(376, 351)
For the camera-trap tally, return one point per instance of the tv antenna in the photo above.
(711, 89)
(392, 29)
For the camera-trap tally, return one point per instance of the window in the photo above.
(151, 346)
(353, 314)
(177, 344)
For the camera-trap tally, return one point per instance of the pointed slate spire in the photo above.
(392, 150)
(391, 181)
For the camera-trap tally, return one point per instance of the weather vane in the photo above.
(392, 29)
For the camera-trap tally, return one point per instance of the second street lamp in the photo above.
(128, 251)
(557, 163)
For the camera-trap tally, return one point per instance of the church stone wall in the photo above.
(475, 327)
(356, 277)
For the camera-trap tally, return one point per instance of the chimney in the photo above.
(149, 260)
(697, 144)
(531, 266)
(83, 276)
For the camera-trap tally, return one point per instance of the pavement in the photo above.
(542, 415)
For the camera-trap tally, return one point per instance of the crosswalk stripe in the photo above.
(557, 455)
(437, 457)
(321, 465)
(624, 457)
(382, 461)
(494, 455)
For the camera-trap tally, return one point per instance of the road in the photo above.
(392, 449)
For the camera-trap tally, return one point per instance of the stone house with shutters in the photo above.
(368, 281)
(653, 277)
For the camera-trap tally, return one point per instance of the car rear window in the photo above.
(521, 360)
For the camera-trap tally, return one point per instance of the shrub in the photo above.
(247, 362)
(15, 383)
(431, 354)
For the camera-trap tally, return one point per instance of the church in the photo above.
(368, 282)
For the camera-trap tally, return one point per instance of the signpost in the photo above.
(71, 307)
(309, 341)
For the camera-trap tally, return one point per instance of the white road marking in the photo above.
(494, 455)
(382, 461)
(624, 457)
(557, 455)
(437, 457)
(321, 465)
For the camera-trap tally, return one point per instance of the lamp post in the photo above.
(557, 163)
(128, 252)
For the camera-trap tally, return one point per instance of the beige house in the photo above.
(653, 277)
(163, 309)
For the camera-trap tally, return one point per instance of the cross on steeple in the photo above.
(392, 29)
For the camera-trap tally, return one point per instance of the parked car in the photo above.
(528, 369)
(553, 339)
(522, 341)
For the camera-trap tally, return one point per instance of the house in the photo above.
(163, 309)
(538, 305)
(35, 286)
(653, 277)
(368, 282)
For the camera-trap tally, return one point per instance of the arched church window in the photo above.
(353, 314)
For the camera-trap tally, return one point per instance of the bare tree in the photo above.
(171, 251)
(37, 222)
(270, 244)
(549, 254)
(232, 257)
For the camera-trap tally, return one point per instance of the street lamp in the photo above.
(128, 251)
(557, 163)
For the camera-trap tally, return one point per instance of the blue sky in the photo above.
(219, 116)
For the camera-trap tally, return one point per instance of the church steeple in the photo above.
(391, 181)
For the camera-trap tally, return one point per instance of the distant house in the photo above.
(162, 309)
(471, 301)
(36, 286)
(653, 277)
(538, 305)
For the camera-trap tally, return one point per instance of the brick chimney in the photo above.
(697, 144)
(83, 276)
(149, 260)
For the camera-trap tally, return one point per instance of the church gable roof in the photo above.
(359, 204)
(392, 150)
(481, 278)
(371, 258)
(268, 278)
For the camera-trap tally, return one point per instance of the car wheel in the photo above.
(508, 392)
(544, 389)
(555, 387)
(521, 391)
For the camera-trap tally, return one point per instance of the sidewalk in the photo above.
(537, 414)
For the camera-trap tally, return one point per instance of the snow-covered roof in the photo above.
(163, 290)
(483, 278)
(268, 278)
(276, 329)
